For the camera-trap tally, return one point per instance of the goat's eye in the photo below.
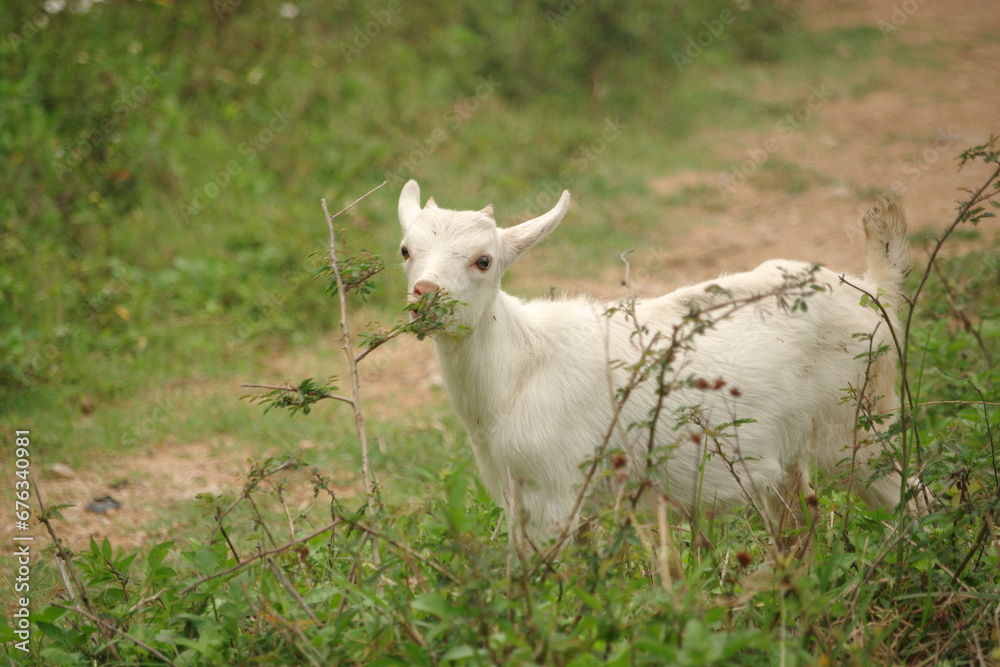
(483, 263)
(405, 252)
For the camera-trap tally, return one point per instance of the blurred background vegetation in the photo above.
(164, 161)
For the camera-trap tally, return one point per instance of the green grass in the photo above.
(135, 299)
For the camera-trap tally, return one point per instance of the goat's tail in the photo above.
(887, 251)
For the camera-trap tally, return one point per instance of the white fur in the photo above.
(531, 380)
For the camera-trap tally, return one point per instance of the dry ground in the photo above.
(905, 133)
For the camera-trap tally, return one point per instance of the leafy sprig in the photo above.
(356, 273)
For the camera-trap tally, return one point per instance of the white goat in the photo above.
(532, 380)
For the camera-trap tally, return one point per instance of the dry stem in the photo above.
(355, 400)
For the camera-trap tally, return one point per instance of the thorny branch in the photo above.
(355, 400)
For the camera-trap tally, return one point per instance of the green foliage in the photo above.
(444, 589)
(356, 271)
(300, 397)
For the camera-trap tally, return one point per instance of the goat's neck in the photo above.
(484, 368)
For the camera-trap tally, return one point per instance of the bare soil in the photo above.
(901, 137)
(904, 133)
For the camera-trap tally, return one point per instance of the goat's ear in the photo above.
(488, 211)
(409, 204)
(516, 240)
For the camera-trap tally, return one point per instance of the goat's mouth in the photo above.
(411, 306)
(433, 312)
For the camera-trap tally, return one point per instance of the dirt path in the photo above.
(904, 134)
(901, 137)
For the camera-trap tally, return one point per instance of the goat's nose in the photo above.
(423, 286)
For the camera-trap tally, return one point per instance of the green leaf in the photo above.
(591, 601)
(52, 631)
(50, 614)
(320, 594)
(462, 652)
(52, 512)
(205, 560)
(431, 603)
(55, 656)
(156, 556)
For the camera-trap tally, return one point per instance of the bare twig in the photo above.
(225, 535)
(960, 314)
(404, 549)
(983, 403)
(103, 625)
(284, 627)
(977, 197)
(669, 562)
(355, 401)
(145, 601)
(69, 573)
(253, 480)
(259, 556)
(859, 406)
(352, 363)
(358, 200)
(291, 590)
(414, 634)
(986, 419)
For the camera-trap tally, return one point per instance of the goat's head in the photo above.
(464, 252)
